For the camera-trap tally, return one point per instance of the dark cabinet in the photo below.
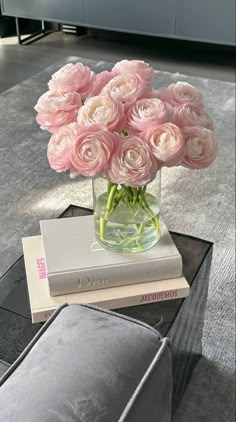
(148, 17)
(70, 11)
(7, 25)
(206, 20)
(200, 20)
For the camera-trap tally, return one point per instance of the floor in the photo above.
(205, 60)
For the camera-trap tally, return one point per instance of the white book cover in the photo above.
(43, 305)
(76, 262)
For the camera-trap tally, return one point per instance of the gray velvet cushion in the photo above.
(90, 365)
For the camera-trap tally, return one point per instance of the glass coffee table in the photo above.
(180, 319)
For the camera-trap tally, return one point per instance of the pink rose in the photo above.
(166, 143)
(132, 163)
(191, 115)
(145, 113)
(92, 151)
(134, 66)
(154, 94)
(104, 111)
(101, 79)
(126, 88)
(60, 145)
(73, 78)
(181, 93)
(200, 146)
(56, 109)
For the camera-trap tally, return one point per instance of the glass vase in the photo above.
(127, 219)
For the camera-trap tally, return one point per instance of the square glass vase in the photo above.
(126, 219)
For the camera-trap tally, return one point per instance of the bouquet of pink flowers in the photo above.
(115, 124)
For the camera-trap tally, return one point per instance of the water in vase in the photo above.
(130, 227)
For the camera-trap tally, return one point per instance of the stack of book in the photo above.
(67, 265)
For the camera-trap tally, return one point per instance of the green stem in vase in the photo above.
(111, 191)
(110, 184)
(102, 227)
(110, 201)
(116, 200)
(135, 195)
(124, 133)
(137, 200)
(155, 220)
(128, 192)
(141, 228)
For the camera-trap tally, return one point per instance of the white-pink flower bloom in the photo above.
(56, 109)
(200, 147)
(101, 79)
(147, 112)
(60, 145)
(92, 151)
(134, 66)
(126, 88)
(104, 111)
(132, 163)
(166, 143)
(73, 78)
(181, 93)
(154, 93)
(191, 115)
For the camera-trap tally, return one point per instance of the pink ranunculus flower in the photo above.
(132, 163)
(56, 109)
(126, 88)
(134, 66)
(73, 78)
(181, 93)
(92, 151)
(60, 145)
(191, 115)
(101, 79)
(200, 147)
(145, 113)
(166, 143)
(154, 93)
(104, 111)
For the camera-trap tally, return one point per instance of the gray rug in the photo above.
(197, 203)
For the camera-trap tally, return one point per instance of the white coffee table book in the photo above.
(76, 262)
(42, 304)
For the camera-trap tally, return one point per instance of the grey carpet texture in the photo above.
(199, 203)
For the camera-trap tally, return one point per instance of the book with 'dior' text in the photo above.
(43, 305)
(76, 262)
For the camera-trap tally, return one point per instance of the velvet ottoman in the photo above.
(90, 365)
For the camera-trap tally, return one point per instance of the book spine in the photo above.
(142, 299)
(112, 304)
(41, 316)
(104, 277)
